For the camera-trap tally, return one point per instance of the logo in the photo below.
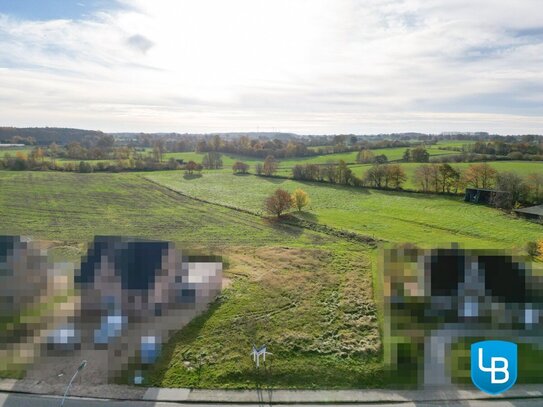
(494, 366)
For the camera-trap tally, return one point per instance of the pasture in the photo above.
(391, 216)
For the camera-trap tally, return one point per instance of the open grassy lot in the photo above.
(391, 216)
(306, 294)
(311, 307)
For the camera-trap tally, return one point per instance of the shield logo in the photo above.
(494, 366)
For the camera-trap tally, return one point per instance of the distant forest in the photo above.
(45, 135)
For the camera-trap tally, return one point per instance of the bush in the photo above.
(532, 249)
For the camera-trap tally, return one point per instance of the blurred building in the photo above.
(436, 299)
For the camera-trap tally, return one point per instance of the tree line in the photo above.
(37, 161)
(431, 177)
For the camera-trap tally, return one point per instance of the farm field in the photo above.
(391, 216)
(306, 294)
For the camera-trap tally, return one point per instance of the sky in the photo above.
(303, 66)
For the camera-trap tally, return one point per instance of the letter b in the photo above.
(503, 369)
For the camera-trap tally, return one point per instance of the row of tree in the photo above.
(433, 177)
(255, 147)
(37, 162)
(517, 149)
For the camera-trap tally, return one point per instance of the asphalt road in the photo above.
(22, 400)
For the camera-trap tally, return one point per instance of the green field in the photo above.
(306, 294)
(391, 216)
(67, 206)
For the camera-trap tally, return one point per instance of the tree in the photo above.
(53, 150)
(308, 172)
(75, 150)
(216, 142)
(158, 150)
(448, 178)
(381, 159)
(515, 189)
(270, 165)
(240, 167)
(259, 169)
(365, 156)
(535, 183)
(395, 175)
(212, 160)
(20, 163)
(480, 175)
(375, 176)
(407, 156)
(278, 203)
(423, 177)
(299, 199)
(36, 155)
(420, 155)
(201, 146)
(84, 167)
(298, 172)
(343, 173)
(190, 167)
(105, 142)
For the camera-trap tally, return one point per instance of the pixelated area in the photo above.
(115, 308)
(437, 302)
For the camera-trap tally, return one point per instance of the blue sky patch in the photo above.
(54, 9)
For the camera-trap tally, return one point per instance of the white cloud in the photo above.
(311, 66)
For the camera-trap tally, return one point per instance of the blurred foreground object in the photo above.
(116, 309)
(437, 302)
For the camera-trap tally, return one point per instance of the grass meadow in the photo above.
(397, 217)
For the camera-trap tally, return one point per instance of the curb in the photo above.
(270, 396)
(332, 396)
